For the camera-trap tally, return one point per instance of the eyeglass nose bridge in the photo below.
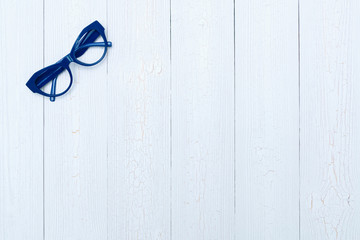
(65, 61)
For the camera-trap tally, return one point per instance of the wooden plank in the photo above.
(75, 131)
(267, 126)
(139, 120)
(21, 121)
(330, 189)
(202, 119)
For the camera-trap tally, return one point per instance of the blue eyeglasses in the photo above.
(87, 40)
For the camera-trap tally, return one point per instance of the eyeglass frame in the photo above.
(63, 64)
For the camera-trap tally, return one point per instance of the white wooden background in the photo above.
(208, 119)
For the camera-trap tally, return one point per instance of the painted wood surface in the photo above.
(21, 121)
(267, 113)
(330, 188)
(202, 76)
(139, 120)
(75, 131)
(206, 120)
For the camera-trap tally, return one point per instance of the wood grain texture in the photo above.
(21, 121)
(202, 119)
(330, 188)
(267, 126)
(75, 131)
(139, 120)
(207, 120)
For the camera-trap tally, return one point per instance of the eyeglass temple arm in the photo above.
(90, 37)
(50, 77)
(53, 89)
(96, 44)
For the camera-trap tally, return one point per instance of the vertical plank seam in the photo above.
(299, 92)
(107, 129)
(234, 40)
(43, 103)
(171, 125)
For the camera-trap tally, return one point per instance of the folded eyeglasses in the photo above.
(85, 43)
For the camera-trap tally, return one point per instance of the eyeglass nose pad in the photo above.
(109, 44)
